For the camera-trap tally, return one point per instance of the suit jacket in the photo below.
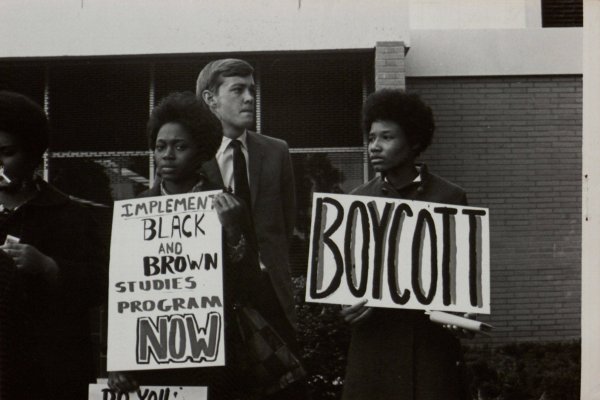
(273, 209)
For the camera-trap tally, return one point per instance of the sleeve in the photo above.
(288, 194)
(463, 199)
(82, 258)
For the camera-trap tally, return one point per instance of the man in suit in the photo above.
(227, 88)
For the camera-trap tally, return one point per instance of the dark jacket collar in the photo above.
(48, 195)
(409, 187)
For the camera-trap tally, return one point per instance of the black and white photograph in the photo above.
(299, 199)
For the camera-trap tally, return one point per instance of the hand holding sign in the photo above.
(232, 214)
(357, 313)
(122, 381)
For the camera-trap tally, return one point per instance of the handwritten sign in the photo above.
(399, 254)
(102, 392)
(165, 304)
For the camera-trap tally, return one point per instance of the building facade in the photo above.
(506, 94)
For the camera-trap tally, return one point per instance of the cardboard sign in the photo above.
(165, 303)
(102, 392)
(399, 254)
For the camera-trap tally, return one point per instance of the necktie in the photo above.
(240, 174)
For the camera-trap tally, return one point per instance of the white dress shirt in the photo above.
(224, 158)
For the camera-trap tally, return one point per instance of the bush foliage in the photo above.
(526, 371)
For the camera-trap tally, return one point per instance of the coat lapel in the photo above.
(212, 172)
(256, 154)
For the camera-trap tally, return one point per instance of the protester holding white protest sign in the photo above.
(401, 354)
(183, 135)
(53, 268)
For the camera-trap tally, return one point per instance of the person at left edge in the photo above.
(183, 135)
(53, 267)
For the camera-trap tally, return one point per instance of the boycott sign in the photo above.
(101, 392)
(165, 302)
(399, 254)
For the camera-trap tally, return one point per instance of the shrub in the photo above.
(324, 338)
(525, 371)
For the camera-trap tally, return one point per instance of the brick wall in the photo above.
(514, 143)
(389, 65)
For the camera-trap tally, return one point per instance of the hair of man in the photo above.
(211, 76)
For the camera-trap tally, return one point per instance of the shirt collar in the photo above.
(198, 187)
(243, 138)
(419, 178)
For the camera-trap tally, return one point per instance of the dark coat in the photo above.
(273, 210)
(48, 344)
(400, 354)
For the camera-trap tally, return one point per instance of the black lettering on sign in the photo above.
(349, 245)
(393, 241)
(448, 251)
(145, 394)
(109, 394)
(165, 227)
(170, 248)
(475, 295)
(177, 338)
(379, 229)
(154, 265)
(320, 239)
(161, 394)
(424, 219)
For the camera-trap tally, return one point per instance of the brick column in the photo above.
(389, 65)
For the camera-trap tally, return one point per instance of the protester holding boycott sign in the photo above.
(183, 135)
(52, 268)
(401, 354)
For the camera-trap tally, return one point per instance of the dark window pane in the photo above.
(313, 102)
(176, 77)
(24, 79)
(562, 13)
(99, 107)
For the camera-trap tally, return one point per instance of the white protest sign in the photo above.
(165, 302)
(102, 392)
(399, 254)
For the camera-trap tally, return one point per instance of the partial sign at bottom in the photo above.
(102, 392)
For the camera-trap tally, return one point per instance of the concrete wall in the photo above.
(39, 28)
(495, 52)
(475, 14)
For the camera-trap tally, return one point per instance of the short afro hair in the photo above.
(185, 109)
(26, 121)
(407, 110)
(211, 76)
